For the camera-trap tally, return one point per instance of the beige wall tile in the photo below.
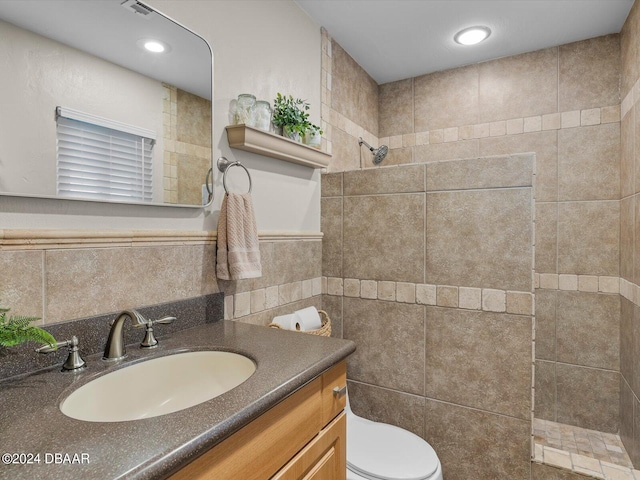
(395, 141)
(588, 329)
(627, 223)
(546, 472)
(628, 134)
(519, 303)
(589, 163)
(385, 180)
(545, 404)
(636, 180)
(515, 126)
(331, 184)
(241, 304)
(228, 307)
(406, 292)
(446, 151)
(369, 289)
(426, 294)
(549, 280)
(636, 248)
(307, 288)
(626, 416)
(447, 296)
(331, 226)
(389, 228)
(446, 99)
(470, 298)
(354, 92)
(351, 287)
(533, 124)
(545, 146)
(570, 119)
(422, 138)
(333, 306)
(588, 397)
(589, 73)
(546, 305)
(568, 282)
(590, 117)
(475, 444)
(345, 151)
(387, 406)
(588, 238)
(588, 283)
(408, 140)
(480, 238)
(258, 300)
(271, 297)
(464, 367)
(98, 281)
(398, 156)
(450, 134)
(21, 284)
(481, 130)
(551, 121)
(611, 114)
(334, 287)
(387, 291)
(546, 237)
(487, 172)
(395, 107)
(519, 86)
(390, 331)
(494, 300)
(628, 52)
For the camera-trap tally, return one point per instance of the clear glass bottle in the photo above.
(260, 117)
(243, 108)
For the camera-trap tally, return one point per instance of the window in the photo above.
(101, 159)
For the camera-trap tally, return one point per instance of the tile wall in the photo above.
(563, 104)
(630, 238)
(60, 276)
(187, 145)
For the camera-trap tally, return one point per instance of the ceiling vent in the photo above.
(137, 7)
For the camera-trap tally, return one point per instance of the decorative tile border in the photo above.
(630, 99)
(254, 301)
(514, 126)
(468, 298)
(16, 239)
(584, 465)
(577, 283)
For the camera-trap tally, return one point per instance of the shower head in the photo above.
(378, 153)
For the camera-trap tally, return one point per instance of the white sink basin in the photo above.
(158, 386)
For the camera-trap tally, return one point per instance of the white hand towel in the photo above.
(238, 248)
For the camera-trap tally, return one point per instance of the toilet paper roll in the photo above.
(307, 319)
(285, 322)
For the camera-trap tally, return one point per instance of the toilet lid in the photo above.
(379, 451)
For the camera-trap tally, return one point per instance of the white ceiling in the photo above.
(397, 39)
(107, 30)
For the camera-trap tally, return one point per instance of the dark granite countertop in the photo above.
(31, 421)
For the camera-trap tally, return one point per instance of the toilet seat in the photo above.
(378, 451)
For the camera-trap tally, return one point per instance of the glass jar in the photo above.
(260, 117)
(243, 108)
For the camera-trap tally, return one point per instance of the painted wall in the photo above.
(253, 52)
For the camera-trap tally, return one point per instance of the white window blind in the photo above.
(101, 159)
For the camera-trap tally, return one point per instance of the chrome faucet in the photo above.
(114, 349)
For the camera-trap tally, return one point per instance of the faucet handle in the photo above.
(150, 340)
(74, 361)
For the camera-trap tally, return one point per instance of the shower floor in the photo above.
(598, 454)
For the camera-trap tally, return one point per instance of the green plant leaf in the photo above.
(17, 330)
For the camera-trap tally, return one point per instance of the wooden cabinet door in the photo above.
(333, 403)
(324, 458)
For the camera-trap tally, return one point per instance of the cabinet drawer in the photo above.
(332, 404)
(258, 450)
(324, 458)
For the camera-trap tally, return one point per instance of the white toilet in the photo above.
(378, 451)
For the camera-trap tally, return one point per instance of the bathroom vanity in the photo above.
(284, 422)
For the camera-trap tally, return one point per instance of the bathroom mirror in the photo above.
(90, 113)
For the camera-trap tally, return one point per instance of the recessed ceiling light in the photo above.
(155, 46)
(472, 35)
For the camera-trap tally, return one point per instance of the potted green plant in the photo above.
(17, 329)
(291, 115)
(313, 136)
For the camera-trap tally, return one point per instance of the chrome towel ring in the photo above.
(224, 165)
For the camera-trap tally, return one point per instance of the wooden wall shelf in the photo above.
(257, 141)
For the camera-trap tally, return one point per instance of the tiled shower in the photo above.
(425, 256)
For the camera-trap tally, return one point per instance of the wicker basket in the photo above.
(324, 330)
